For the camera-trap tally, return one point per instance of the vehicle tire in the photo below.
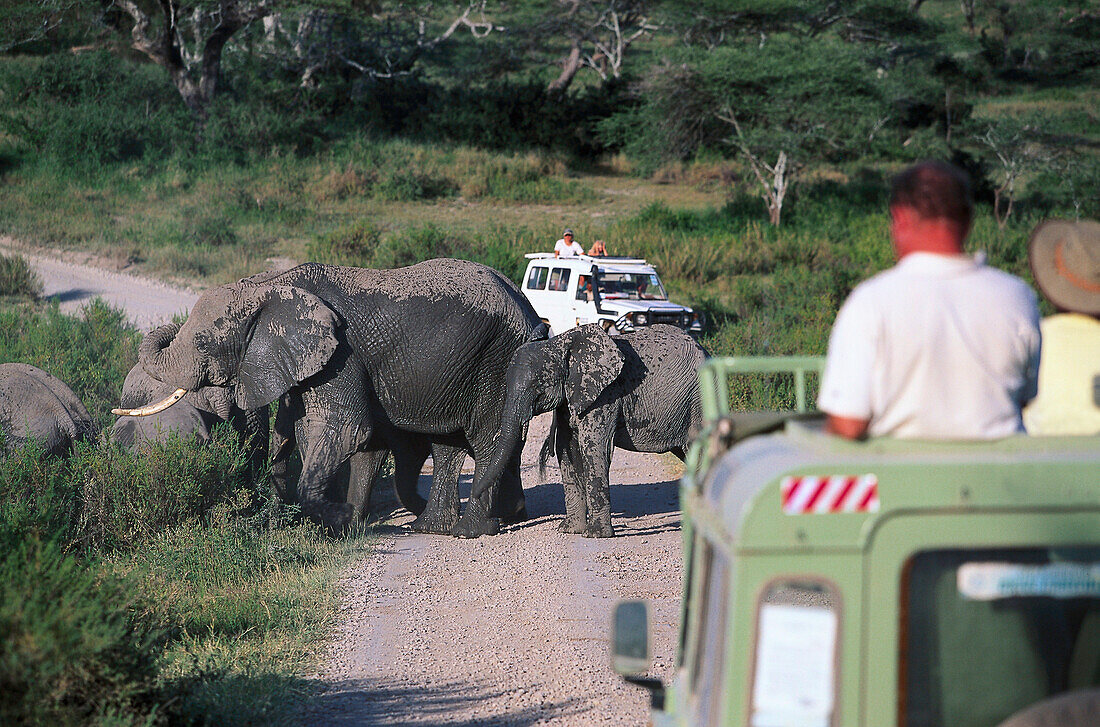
(1080, 708)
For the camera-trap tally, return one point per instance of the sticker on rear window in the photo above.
(993, 581)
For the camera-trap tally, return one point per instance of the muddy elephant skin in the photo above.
(349, 352)
(194, 415)
(638, 392)
(36, 405)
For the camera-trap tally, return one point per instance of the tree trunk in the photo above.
(571, 65)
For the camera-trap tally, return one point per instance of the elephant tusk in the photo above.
(152, 408)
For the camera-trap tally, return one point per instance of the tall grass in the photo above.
(18, 278)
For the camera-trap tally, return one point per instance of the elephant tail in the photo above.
(548, 446)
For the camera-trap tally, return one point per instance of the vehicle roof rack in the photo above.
(589, 258)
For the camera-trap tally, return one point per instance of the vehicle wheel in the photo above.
(1072, 709)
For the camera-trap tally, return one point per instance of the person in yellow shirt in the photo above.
(1065, 260)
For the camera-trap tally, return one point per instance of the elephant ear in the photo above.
(594, 362)
(293, 336)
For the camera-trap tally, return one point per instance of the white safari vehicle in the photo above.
(620, 293)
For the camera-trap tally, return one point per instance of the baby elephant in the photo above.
(638, 392)
(36, 405)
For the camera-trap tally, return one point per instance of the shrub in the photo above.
(208, 228)
(18, 278)
(72, 648)
(129, 499)
(354, 244)
(91, 354)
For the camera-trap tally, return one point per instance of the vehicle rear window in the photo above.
(559, 279)
(537, 279)
(986, 633)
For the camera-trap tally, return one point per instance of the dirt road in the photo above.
(513, 629)
(508, 630)
(68, 279)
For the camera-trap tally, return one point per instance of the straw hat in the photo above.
(1065, 260)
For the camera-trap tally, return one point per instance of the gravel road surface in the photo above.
(507, 630)
(512, 629)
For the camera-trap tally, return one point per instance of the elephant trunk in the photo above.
(164, 358)
(517, 413)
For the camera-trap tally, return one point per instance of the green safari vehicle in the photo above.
(884, 583)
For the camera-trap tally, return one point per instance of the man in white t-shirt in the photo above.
(938, 346)
(565, 247)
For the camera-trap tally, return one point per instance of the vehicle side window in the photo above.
(795, 655)
(559, 279)
(537, 279)
(708, 662)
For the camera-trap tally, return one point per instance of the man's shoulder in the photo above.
(1009, 285)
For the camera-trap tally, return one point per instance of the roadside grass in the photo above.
(164, 587)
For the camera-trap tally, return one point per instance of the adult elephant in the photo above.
(351, 351)
(37, 405)
(638, 392)
(194, 415)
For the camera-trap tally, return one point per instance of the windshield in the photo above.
(990, 632)
(632, 286)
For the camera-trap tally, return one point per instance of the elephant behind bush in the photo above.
(36, 405)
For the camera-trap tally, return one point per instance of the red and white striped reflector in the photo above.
(829, 494)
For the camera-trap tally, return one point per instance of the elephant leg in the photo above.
(568, 454)
(365, 467)
(324, 451)
(595, 436)
(282, 447)
(511, 504)
(441, 514)
(409, 455)
(476, 520)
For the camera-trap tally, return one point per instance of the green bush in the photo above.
(91, 354)
(18, 278)
(128, 499)
(352, 244)
(73, 650)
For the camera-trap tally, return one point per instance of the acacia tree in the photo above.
(1015, 150)
(189, 38)
(796, 103)
(386, 43)
(599, 33)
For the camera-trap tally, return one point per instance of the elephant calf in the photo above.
(37, 405)
(638, 392)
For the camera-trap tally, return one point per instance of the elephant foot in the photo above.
(434, 523)
(335, 517)
(599, 530)
(466, 529)
(571, 525)
(518, 516)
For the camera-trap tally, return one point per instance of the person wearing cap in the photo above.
(565, 247)
(940, 346)
(1065, 260)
